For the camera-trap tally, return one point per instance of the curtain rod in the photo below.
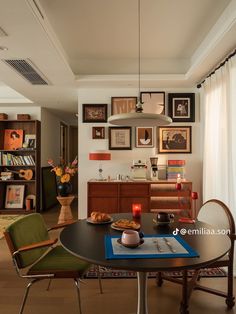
(219, 66)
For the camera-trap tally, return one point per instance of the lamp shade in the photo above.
(100, 155)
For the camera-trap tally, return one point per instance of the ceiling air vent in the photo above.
(26, 69)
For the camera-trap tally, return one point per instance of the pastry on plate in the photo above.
(100, 217)
(126, 224)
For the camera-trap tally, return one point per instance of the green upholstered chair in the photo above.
(215, 213)
(36, 257)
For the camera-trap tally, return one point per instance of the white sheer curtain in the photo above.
(219, 153)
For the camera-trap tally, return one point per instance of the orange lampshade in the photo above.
(100, 155)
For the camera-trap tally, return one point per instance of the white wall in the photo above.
(122, 160)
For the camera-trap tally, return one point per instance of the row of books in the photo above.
(7, 159)
(175, 168)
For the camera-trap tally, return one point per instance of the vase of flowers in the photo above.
(64, 172)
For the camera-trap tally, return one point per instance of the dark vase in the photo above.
(64, 189)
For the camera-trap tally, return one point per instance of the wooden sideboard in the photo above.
(154, 196)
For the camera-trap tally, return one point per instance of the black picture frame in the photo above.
(153, 102)
(98, 132)
(181, 107)
(94, 113)
(175, 140)
(120, 138)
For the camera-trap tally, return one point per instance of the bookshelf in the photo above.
(19, 165)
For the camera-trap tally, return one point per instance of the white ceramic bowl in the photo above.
(130, 237)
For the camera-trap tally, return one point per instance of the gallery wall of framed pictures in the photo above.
(175, 138)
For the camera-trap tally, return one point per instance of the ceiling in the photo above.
(90, 43)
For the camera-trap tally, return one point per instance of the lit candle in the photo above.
(136, 210)
(178, 178)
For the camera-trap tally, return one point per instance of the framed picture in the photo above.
(14, 196)
(144, 137)
(119, 137)
(181, 107)
(30, 141)
(123, 104)
(174, 139)
(98, 132)
(94, 113)
(153, 102)
(13, 139)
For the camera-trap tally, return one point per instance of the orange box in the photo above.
(3, 116)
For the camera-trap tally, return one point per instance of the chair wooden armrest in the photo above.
(36, 245)
(62, 225)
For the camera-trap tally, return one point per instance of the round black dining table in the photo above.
(86, 241)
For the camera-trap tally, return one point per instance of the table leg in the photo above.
(142, 293)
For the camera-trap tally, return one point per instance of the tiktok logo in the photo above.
(176, 231)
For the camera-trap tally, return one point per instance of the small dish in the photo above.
(113, 226)
(131, 246)
(89, 220)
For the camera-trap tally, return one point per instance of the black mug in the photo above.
(164, 217)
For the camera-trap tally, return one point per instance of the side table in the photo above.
(65, 213)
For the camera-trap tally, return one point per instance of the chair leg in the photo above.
(159, 279)
(26, 294)
(99, 279)
(230, 297)
(78, 294)
(49, 284)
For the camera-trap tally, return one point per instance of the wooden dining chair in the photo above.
(36, 257)
(217, 214)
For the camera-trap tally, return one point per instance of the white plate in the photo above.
(98, 222)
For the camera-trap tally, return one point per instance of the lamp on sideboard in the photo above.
(100, 155)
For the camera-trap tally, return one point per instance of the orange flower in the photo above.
(65, 178)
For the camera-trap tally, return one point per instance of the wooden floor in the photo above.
(120, 295)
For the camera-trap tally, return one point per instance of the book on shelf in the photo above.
(175, 168)
(7, 159)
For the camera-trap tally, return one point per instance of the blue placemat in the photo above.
(154, 246)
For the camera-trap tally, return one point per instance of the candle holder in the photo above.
(136, 210)
(194, 197)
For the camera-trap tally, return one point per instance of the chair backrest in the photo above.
(217, 214)
(27, 230)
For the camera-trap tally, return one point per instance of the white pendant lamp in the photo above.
(139, 118)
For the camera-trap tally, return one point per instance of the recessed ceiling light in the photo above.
(3, 48)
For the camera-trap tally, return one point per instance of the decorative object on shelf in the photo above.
(154, 168)
(136, 210)
(174, 139)
(120, 138)
(194, 196)
(13, 139)
(139, 170)
(100, 155)
(123, 104)
(144, 137)
(14, 196)
(23, 117)
(30, 141)
(26, 174)
(153, 102)
(181, 107)
(175, 169)
(139, 117)
(98, 132)
(31, 197)
(3, 116)
(94, 113)
(64, 172)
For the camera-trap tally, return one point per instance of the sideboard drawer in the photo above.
(134, 189)
(103, 190)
